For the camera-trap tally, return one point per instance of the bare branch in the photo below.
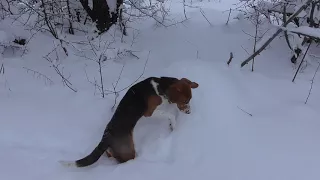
(230, 59)
(244, 111)
(205, 16)
(39, 75)
(2, 69)
(144, 68)
(114, 89)
(101, 76)
(285, 32)
(244, 49)
(229, 17)
(301, 61)
(55, 65)
(247, 34)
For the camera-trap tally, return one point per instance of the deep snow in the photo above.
(42, 124)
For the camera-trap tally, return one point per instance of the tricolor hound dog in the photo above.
(142, 99)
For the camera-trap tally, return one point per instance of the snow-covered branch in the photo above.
(297, 12)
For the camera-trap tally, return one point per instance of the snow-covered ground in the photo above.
(42, 123)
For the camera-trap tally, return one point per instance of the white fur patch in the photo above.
(155, 86)
(165, 109)
(168, 111)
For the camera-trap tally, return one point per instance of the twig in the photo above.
(301, 62)
(205, 16)
(315, 56)
(48, 23)
(230, 59)
(247, 34)
(146, 13)
(100, 73)
(71, 31)
(197, 55)
(2, 69)
(144, 68)
(255, 35)
(39, 75)
(311, 86)
(285, 32)
(244, 111)
(184, 9)
(95, 84)
(229, 17)
(134, 36)
(65, 81)
(4, 76)
(244, 49)
(116, 94)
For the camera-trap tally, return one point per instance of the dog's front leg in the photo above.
(173, 123)
(171, 117)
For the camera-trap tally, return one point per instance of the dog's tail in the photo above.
(89, 159)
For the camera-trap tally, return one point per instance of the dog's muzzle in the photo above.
(185, 108)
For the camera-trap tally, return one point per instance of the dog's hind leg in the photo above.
(123, 148)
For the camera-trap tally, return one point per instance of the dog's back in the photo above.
(130, 108)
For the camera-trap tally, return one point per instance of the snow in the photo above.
(112, 5)
(305, 30)
(43, 123)
(3, 36)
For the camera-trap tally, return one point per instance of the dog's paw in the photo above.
(172, 124)
(187, 111)
(171, 127)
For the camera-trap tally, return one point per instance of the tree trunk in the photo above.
(100, 13)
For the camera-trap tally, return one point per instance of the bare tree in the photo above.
(304, 6)
(102, 14)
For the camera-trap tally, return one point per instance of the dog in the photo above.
(142, 99)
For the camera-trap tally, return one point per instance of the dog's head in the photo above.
(180, 93)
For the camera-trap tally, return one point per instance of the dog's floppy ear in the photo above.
(193, 85)
(173, 93)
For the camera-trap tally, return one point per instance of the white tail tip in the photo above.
(68, 163)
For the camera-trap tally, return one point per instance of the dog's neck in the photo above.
(161, 86)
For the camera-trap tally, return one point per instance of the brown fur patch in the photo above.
(123, 149)
(153, 102)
